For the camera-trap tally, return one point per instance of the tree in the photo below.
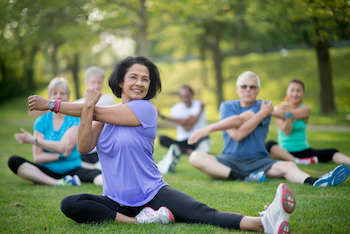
(315, 22)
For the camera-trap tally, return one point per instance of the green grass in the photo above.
(29, 208)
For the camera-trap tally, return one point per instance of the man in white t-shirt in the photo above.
(94, 77)
(190, 116)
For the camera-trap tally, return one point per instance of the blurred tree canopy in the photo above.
(67, 36)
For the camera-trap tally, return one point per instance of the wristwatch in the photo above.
(52, 105)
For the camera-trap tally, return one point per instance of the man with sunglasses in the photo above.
(245, 123)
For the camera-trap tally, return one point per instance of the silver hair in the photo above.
(94, 71)
(248, 74)
(58, 81)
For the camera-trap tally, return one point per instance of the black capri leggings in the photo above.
(323, 155)
(84, 208)
(85, 175)
(184, 146)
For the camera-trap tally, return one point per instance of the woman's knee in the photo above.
(69, 204)
(15, 162)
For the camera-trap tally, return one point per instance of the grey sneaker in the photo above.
(149, 215)
(168, 164)
(257, 177)
(204, 146)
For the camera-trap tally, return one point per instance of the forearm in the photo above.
(286, 125)
(53, 146)
(44, 157)
(230, 122)
(247, 127)
(85, 129)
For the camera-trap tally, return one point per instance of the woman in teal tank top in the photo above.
(292, 137)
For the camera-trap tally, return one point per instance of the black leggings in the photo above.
(323, 155)
(85, 175)
(184, 146)
(84, 208)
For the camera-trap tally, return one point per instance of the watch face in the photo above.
(51, 105)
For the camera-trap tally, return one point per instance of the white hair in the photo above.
(94, 71)
(248, 74)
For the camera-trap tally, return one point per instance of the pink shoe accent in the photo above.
(171, 216)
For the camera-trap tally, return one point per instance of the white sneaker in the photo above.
(149, 215)
(275, 217)
(204, 146)
(168, 164)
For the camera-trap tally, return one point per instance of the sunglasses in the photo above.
(251, 87)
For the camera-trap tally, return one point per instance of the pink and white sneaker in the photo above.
(306, 161)
(275, 217)
(149, 215)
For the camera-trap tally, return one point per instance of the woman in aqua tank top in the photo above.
(292, 137)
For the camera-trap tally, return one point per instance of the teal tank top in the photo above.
(297, 140)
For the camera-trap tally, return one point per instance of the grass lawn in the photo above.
(29, 208)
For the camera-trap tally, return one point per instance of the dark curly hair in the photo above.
(121, 68)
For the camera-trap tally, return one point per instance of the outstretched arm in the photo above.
(228, 123)
(117, 114)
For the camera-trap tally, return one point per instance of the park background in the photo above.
(205, 44)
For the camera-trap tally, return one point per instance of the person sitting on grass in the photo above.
(245, 123)
(292, 138)
(189, 115)
(133, 188)
(56, 157)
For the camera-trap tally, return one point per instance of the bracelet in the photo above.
(287, 115)
(57, 105)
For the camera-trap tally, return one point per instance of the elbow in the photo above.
(236, 137)
(83, 149)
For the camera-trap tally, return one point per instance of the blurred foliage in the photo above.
(43, 39)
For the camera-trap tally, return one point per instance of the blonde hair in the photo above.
(58, 81)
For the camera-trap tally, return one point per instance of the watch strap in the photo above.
(57, 106)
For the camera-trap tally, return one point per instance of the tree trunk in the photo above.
(325, 76)
(142, 41)
(54, 61)
(75, 70)
(218, 58)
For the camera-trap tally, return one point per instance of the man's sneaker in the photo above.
(68, 180)
(204, 146)
(257, 177)
(149, 215)
(275, 217)
(168, 164)
(337, 176)
(306, 161)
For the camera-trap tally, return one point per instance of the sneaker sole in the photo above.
(288, 199)
(339, 175)
(283, 228)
